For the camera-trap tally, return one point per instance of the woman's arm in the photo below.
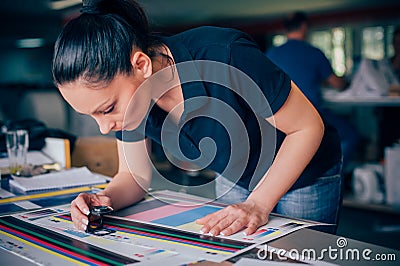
(132, 181)
(304, 130)
(128, 186)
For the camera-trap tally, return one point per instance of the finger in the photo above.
(205, 222)
(99, 200)
(81, 203)
(212, 220)
(254, 224)
(251, 228)
(236, 226)
(104, 201)
(221, 225)
(203, 219)
(79, 219)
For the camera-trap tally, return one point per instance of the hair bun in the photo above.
(90, 10)
(91, 6)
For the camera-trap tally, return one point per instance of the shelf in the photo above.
(352, 202)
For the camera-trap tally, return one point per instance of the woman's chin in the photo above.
(130, 126)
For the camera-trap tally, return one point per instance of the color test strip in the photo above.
(172, 236)
(186, 216)
(160, 212)
(54, 241)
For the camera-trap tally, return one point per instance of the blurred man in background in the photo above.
(309, 69)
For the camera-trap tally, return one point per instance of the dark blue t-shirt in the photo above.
(229, 87)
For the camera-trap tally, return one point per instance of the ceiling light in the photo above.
(30, 43)
(61, 4)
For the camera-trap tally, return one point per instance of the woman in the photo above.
(209, 96)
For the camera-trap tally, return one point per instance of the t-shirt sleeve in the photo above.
(129, 136)
(271, 84)
(324, 65)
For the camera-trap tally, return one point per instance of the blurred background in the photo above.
(345, 30)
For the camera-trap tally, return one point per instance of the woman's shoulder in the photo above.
(213, 29)
(210, 35)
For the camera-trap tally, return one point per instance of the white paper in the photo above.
(5, 194)
(75, 177)
(156, 248)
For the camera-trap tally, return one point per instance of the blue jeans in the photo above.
(319, 202)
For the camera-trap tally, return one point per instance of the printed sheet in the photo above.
(158, 229)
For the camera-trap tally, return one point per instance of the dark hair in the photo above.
(97, 45)
(295, 20)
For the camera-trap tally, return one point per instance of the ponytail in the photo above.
(128, 10)
(97, 45)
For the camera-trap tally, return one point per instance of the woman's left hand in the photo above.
(234, 218)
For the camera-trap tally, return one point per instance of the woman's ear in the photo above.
(141, 64)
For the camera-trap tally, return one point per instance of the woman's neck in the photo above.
(172, 99)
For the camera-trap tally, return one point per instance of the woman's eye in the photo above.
(109, 110)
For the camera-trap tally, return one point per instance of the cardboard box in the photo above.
(98, 153)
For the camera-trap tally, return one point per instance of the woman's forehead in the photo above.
(84, 99)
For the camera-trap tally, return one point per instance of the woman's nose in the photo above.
(104, 125)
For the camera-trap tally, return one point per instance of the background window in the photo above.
(333, 43)
(372, 43)
(345, 46)
(278, 40)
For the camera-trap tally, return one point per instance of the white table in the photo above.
(332, 98)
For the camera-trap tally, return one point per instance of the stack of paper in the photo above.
(75, 177)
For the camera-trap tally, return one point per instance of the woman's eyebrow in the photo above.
(99, 107)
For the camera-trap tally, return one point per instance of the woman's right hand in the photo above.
(81, 205)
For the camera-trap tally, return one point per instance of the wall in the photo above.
(29, 66)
